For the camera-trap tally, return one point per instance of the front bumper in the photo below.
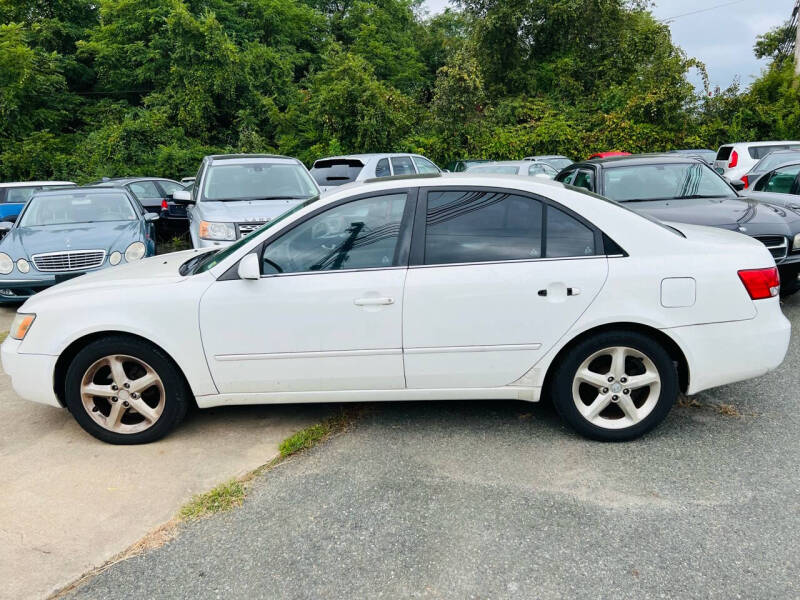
(19, 290)
(31, 374)
(723, 353)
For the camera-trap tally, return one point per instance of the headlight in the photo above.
(114, 258)
(796, 242)
(217, 231)
(6, 264)
(20, 326)
(23, 265)
(135, 251)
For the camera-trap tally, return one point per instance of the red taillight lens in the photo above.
(761, 283)
(164, 205)
(746, 181)
(734, 159)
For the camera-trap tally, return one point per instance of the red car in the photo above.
(607, 154)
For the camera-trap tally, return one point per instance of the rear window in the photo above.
(724, 152)
(759, 152)
(336, 171)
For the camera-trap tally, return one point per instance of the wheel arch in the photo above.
(71, 351)
(669, 344)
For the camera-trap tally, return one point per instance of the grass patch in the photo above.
(304, 439)
(175, 244)
(223, 497)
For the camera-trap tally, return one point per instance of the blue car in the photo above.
(13, 196)
(66, 233)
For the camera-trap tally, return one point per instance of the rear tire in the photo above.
(124, 390)
(615, 386)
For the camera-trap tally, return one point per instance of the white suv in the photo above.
(734, 160)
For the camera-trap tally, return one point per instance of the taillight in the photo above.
(761, 283)
(734, 159)
(745, 181)
(164, 205)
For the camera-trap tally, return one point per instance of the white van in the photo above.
(734, 160)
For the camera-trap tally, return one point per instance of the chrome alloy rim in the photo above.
(616, 387)
(122, 394)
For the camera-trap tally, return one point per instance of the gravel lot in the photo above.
(499, 500)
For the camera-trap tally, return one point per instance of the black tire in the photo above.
(562, 384)
(176, 392)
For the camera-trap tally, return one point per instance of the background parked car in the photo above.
(155, 194)
(686, 190)
(515, 167)
(460, 166)
(770, 162)
(780, 186)
(734, 160)
(705, 154)
(235, 194)
(557, 161)
(339, 170)
(14, 195)
(61, 234)
(609, 154)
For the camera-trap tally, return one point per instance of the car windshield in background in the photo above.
(664, 182)
(774, 160)
(76, 208)
(558, 163)
(501, 169)
(257, 181)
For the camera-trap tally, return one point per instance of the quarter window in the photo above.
(362, 234)
(478, 226)
(402, 165)
(382, 168)
(425, 166)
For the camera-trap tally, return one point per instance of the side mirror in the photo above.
(249, 267)
(182, 197)
(738, 185)
(150, 217)
(5, 226)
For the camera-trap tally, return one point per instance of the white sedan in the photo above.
(452, 287)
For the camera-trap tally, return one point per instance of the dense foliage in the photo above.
(92, 88)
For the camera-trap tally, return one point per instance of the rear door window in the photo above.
(781, 181)
(333, 172)
(382, 169)
(584, 178)
(566, 236)
(402, 165)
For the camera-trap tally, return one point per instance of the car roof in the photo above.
(775, 142)
(118, 181)
(32, 183)
(546, 156)
(639, 159)
(221, 157)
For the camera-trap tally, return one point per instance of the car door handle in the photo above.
(570, 292)
(373, 301)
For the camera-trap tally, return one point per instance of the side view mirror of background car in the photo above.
(182, 197)
(249, 268)
(150, 217)
(738, 185)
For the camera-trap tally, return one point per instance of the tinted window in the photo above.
(362, 234)
(402, 165)
(382, 168)
(780, 182)
(724, 153)
(336, 171)
(475, 226)
(584, 179)
(566, 236)
(425, 166)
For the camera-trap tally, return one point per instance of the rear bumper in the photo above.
(31, 374)
(723, 353)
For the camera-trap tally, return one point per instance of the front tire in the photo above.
(124, 390)
(615, 386)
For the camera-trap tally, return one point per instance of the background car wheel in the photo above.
(124, 390)
(615, 386)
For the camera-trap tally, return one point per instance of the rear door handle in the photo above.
(373, 301)
(570, 292)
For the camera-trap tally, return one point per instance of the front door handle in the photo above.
(571, 291)
(373, 301)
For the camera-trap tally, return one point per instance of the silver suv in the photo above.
(235, 194)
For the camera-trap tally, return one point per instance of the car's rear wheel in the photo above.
(123, 390)
(615, 386)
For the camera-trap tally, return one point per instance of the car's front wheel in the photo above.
(615, 386)
(123, 390)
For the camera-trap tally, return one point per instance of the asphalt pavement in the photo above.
(500, 500)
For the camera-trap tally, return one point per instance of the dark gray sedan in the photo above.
(66, 233)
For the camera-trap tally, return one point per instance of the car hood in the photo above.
(729, 213)
(76, 236)
(789, 201)
(242, 211)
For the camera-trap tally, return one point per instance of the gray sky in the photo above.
(722, 38)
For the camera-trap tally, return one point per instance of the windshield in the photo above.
(558, 163)
(77, 208)
(775, 159)
(503, 169)
(664, 182)
(257, 181)
(204, 262)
